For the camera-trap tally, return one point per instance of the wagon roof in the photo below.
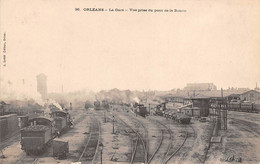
(42, 117)
(59, 111)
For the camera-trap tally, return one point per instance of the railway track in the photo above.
(145, 137)
(140, 153)
(189, 143)
(149, 158)
(158, 147)
(245, 125)
(180, 148)
(182, 145)
(167, 155)
(171, 151)
(90, 150)
(27, 160)
(170, 139)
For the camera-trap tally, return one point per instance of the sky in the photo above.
(213, 42)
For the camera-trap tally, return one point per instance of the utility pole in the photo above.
(101, 151)
(149, 110)
(113, 124)
(223, 113)
(105, 120)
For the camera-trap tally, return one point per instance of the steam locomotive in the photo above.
(160, 109)
(37, 137)
(140, 109)
(101, 105)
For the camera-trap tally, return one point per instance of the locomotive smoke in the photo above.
(136, 99)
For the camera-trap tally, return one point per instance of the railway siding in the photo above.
(185, 141)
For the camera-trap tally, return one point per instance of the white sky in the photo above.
(212, 42)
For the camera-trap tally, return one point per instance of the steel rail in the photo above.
(139, 136)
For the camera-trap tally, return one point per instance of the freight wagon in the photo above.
(242, 106)
(60, 148)
(38, 136)
(177, 116)
(235, 105)
(181, 118)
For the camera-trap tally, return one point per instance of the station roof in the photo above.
(204, 94)
(200, 98)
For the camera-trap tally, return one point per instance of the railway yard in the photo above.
(118, 135)
(135, 82)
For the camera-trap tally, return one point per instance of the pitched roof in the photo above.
(2, 103)
(204, 94)
(250, 91)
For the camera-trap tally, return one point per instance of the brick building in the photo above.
(200, 87)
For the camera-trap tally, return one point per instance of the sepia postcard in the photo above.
(115, 82)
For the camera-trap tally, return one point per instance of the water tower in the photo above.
(42, 85)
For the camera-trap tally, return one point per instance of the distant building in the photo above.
(42, 85)
(200, 106)
(200, 87)
(243, 89)
(252, 96)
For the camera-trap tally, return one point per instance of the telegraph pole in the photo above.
(149, 110)
(113, 124)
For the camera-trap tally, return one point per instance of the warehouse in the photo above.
(252, 96)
